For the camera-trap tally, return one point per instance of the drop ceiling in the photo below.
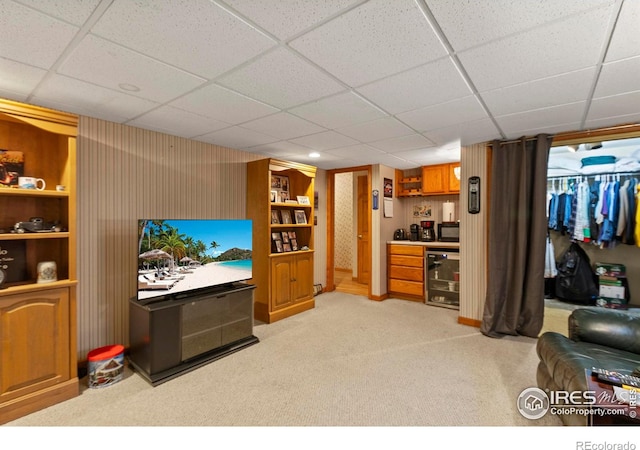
(396, 82)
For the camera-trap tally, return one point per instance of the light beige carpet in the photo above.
(348, 362)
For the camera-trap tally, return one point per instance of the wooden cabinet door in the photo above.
(434, 179)
(302, 287)
(281, 279)
(454, 182)
(34, 331)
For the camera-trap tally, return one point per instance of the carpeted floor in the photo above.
(348, 362)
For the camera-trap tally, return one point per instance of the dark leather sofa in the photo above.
(598, 337)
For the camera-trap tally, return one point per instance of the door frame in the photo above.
(331, 186)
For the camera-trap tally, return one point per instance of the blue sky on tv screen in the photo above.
(227, 233)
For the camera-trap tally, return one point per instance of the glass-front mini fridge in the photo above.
(443, 278)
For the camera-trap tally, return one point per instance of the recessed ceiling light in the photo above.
(314, 155)
(129, 87)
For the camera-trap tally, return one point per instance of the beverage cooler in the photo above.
(443, 278)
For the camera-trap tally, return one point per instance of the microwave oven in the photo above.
(449, 232)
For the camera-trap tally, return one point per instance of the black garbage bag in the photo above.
(576, 281)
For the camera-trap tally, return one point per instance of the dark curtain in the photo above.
(514, 304)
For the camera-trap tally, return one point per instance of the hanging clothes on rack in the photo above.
(637, 224)
(600, 209)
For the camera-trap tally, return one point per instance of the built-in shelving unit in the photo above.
(38, 355)
(282, 237)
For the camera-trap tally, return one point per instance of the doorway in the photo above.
(348, 230)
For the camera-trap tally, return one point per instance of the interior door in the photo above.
(363, 230)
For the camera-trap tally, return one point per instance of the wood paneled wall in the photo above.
(126, 174)
(473, 236)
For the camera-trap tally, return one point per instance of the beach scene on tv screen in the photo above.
(176, 256)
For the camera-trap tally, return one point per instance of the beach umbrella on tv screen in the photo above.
(155, 254)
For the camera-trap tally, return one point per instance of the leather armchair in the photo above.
(602, 338)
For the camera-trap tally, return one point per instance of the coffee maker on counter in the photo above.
(427, 231)
(414, 232)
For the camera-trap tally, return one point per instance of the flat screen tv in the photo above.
(178, 258)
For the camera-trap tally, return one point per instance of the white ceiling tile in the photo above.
(338, 111)
(109, 65)
(19, 79)
(566, 88)
(393, 161)
(280, 148)
(286, 18)
(533, 62)
(612, 121)
(427, 85)
(618, 77)
(542, 119)
(36, 39)
(74, 11)
(550, 130)
(283, 126)
(237, 137)
(281, 79)
(196, 35)
(396, 145)
(325, 140)
(357, 152)
(617, 105)
(427, 156)
(220, 103)
(372, 41)
(376, 130)
(625, 42)
(90, 100)
(467, 133)
(177, 122)
(462, 110)
(500, 18)
(535, 54)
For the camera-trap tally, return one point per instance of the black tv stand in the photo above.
(169, 338)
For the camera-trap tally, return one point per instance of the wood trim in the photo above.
(37, 401)
(330, 253)
(47, 119)
(581, 137)
(378, 298)
(469, 322)
(331, 186)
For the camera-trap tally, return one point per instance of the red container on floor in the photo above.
(105, 366)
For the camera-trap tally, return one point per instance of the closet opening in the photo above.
(592, 193)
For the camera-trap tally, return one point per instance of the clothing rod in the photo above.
(619, 174)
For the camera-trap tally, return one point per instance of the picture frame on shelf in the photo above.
(285, 237)
(286, 216)
(294, 245)
(303, 200)
(275, 236)
(275, 217)
(279, 185)
(300, 216)
(278, 245)
(286, 247)
(292, 235)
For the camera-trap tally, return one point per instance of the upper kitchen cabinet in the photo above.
(440, 179)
